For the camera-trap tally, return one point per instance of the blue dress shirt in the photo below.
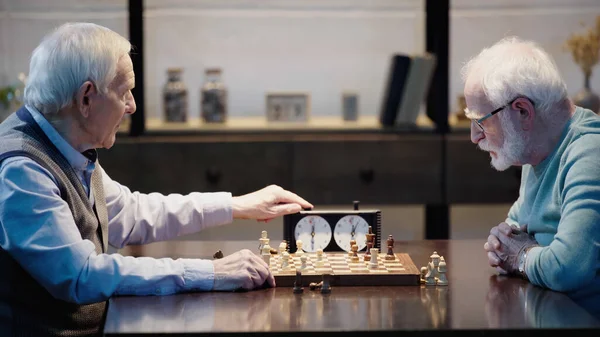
(38, 231)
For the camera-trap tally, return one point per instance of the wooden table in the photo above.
(476, 301)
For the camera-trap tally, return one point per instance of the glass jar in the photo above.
(175, 97)
(213, 97)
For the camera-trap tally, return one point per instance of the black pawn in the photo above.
(326, 287)
(298, 283)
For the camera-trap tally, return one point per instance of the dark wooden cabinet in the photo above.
(183, 167)
(326, 169)
(400, 171)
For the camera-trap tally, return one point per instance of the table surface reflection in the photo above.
(476, 300)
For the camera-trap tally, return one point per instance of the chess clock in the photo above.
(331, 230)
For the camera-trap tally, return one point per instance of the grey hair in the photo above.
(514, 67)
(67, 57)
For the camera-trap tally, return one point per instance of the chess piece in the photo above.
(370, 243)
(432, 269)
(282, 248)
(390, 244)
(285, 260)
(442, 279)
(303, 259)
(266, 252)
(298, 283)
(299, 250)
(354, 257)
(315, 285)
(261, 241)
(352, 243)
(218, 255)
(423, 273)
(373, 264)
(325, 286)
(319, 261)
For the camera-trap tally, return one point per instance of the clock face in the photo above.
(314, 232)
(351, 227)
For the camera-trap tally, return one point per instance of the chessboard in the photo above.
(398, 272)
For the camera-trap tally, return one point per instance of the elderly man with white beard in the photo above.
(521, 114)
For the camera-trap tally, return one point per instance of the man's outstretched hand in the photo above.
(268, 203)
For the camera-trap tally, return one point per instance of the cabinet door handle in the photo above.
(213, 175)
(366, 175)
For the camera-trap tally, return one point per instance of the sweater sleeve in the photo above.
(570, 260)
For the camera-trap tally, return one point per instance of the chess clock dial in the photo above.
(351, 227)
(314, 231)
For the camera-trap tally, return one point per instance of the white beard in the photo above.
(512, 150)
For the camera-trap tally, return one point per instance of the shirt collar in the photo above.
(77, 160)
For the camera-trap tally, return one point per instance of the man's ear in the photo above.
(86, 92)
(526, 112)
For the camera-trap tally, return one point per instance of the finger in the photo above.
(283, 209)
(265, 276)
(493, 242)
(287, 196)
(505, 228)
(501, 271)
(493, 259)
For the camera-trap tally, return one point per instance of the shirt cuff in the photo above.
(216, 208)
(532, 255)
(198, 275)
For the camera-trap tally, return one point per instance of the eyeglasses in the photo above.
(480, 120)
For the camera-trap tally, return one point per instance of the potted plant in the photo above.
(585, 49)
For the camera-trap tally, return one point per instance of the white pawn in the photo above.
(319, 261)
(303, 259)
(442, 279)
(285, 260)
(299, 250)
(266, 252)
(263, 238)
(373, 263)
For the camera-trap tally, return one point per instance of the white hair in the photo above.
(66, 58)
(514, 67)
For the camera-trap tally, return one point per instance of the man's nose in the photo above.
(476, 134)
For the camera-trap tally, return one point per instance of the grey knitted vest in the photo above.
(26, 308)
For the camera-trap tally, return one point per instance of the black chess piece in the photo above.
(218, 255)
(326, 287)
(298, 283)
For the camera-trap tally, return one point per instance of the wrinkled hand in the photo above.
(268, 203)
(505, 244)
(242, 270)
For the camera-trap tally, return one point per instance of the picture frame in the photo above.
(287, 106)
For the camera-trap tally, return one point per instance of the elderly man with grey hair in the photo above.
(521, 114)
(59, 209)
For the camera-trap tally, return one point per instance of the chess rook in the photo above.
(373, 264)
(325, 284)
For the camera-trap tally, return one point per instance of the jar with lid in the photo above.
(175, 97)
(213, 97)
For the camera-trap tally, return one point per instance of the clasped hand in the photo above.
(505, 244)
(268, 203)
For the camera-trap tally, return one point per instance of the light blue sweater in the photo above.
(559, 200)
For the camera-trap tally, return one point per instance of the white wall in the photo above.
(319, 46)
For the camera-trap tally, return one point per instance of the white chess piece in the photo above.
(303, 259)
(285, 260)
(442, 279)
(374, 262)
(430, 277)
(299, 250)
(319, 261)
(266, 252)
(261, 240)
